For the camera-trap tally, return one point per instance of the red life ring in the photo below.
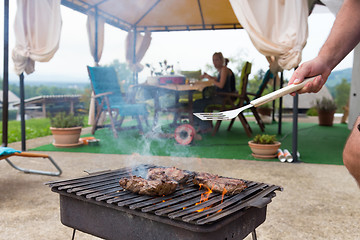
(184, 134)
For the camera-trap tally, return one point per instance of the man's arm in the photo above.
(344, 36)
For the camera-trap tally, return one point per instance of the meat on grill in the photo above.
(148, 187)
(217, 183)
(166, 174)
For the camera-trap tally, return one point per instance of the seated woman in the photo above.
(224, 82)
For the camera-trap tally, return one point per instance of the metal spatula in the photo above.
(227, 115)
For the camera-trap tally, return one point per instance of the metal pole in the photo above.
(5, 104)
(135, 75)
(295, 128)
(22, 112)
(273, 103)
(280, 103)
(96, 38)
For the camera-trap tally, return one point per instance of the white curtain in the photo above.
(90, 26)
(91, 30)
(37, 31)
(142, 44)
(277, 28)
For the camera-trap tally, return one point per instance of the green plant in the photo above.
(66, 120)
(325, 104)
(312, 112)
(264, 139)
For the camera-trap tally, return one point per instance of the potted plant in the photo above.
(66, 129)
(264, 146)
(326, 108)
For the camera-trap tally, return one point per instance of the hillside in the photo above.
(336, 76)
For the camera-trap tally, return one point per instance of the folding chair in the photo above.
(235, 100)
(6, 153)
(268, 75)
(108, 96)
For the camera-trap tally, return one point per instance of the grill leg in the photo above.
(253, 234)
(73, 235)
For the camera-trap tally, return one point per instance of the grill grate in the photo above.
(179, 206)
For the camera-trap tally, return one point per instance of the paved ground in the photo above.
(318, 201)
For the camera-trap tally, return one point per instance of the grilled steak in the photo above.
(148, 187)
(217, 183)
(166, 174)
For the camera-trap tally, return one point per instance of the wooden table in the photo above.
(156, 90)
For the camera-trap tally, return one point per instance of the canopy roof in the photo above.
(160, 15)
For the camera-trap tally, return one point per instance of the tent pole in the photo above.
(96, 37)
(135, 74)
(5, 104)
(280, 102)
(273, 102)
(22, 112)
(295, 128)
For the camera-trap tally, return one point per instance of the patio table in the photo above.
(156, 90)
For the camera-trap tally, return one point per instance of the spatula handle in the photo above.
(280, 92)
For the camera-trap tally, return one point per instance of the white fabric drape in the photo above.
(90, 26)
(276, 27)
(91, 31)
(142, 45)
(37, 29)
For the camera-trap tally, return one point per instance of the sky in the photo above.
(185, 50)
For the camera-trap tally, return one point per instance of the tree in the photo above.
(342, 94)
(124, 73)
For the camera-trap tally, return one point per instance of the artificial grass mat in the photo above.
(316, 144)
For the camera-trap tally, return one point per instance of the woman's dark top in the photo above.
(229, 83)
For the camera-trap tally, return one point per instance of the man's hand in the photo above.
(310, 69)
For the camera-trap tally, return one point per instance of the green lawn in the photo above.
(36, 127)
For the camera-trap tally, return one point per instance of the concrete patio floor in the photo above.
(318, 201)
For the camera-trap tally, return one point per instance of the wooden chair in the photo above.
(251, 96)
(235, 100)
(246, 97)
(6, 153)
(108, 96)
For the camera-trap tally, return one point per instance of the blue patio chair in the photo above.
(108, 96)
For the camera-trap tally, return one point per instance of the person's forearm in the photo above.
(344, 36)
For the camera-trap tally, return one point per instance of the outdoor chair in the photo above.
(234, 100)
(251, 96)
(6, 153)
(246, 97)
(109, 99)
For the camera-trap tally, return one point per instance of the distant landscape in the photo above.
(80, 83)
(336, 77)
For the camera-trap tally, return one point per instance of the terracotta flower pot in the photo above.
(264, 151)
(264, 111)
(66, 137)
(326, 118)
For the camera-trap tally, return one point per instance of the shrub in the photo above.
(325, 104)
(312, 112)
(66, 120)
(264, 139)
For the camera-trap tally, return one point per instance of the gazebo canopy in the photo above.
(160, 15)
(163, 15)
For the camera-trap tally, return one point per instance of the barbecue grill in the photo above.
(96, 204)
